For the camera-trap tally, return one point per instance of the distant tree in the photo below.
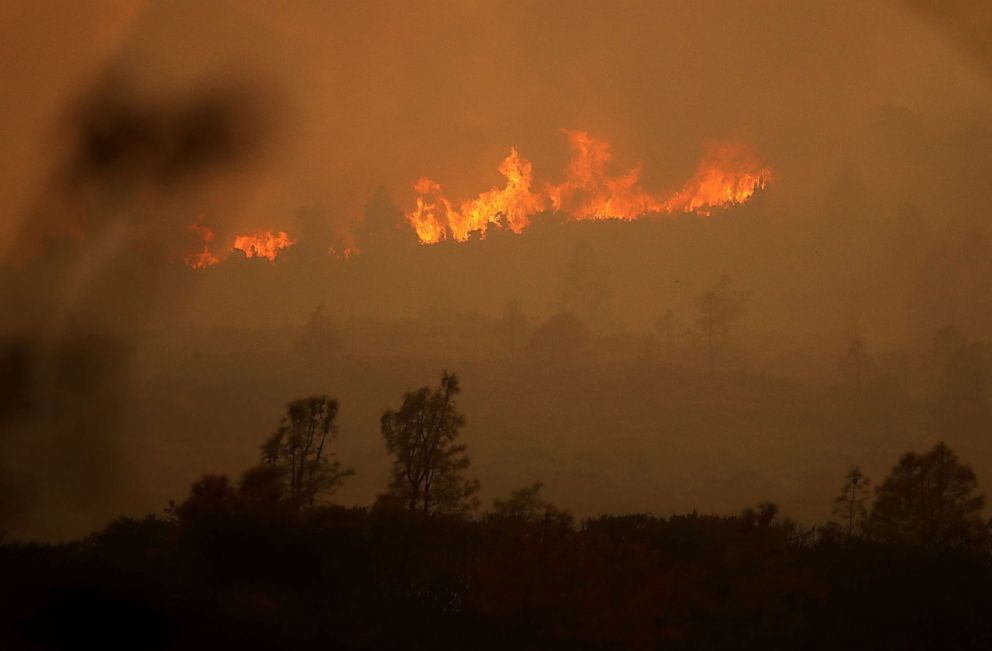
(427, 462)
(854, 363)
(318, 338)
(762, 517)
(718, 309)
(263, 485)
(851, 506)
(514, 326)
(559, 338)
(316, 233)
(526, 505)
(210, 495)
(930, 500)
(300, 451)
(584, 287)
(383, 224)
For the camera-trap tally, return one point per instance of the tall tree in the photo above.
(931, 500)
(300, 450)
(851, 506)
(718, 309)
(427, 462)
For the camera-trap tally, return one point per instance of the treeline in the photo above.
(269, 561)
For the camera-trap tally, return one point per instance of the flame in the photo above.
(511, 206)
(202, 259)
(589, 192)
(727, 175)
(263, 244)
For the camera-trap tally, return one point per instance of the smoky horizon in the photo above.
(681, 257)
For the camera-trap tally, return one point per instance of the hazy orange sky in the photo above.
(874, 118)
(371, 94)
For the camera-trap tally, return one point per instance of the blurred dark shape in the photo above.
(124, 138)
(57, 428)
(132, 156)
(15, 380)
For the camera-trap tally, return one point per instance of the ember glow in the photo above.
(728, 175)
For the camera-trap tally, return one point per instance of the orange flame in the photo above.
(728, 174)
(435, 218)
(263, 244)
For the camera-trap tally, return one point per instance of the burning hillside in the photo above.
(261, 244)
(728, 174)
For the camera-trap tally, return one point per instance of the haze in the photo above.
(127, 373)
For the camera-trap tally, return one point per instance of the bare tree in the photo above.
(850, 507)
(300, 450)
(718, 309)
(427, 463)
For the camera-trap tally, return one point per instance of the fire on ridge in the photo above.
(728, 174)
(261, 244)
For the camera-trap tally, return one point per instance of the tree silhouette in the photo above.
(850, 507)
(718, 309)
(300, 450)
(931, 500)
(427, 463)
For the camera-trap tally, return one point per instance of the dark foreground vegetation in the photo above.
(268, 562)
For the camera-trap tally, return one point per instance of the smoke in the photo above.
(132, 125)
